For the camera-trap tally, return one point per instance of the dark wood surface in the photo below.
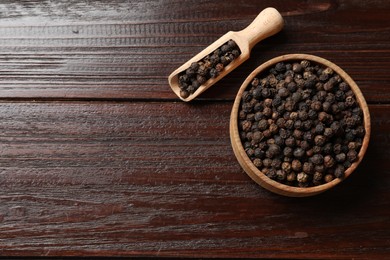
(99, 157)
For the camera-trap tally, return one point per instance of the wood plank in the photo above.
(125, 50)
(160, 179)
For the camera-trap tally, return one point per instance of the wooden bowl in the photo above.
(253, 171)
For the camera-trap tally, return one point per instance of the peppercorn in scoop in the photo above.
(301, 124)
(209, 67)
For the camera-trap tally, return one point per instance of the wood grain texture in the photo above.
(160, 179)
(126, 49)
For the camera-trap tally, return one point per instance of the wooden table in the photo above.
(99, 157)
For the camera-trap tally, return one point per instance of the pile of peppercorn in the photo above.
(301, 124)
(209, 67)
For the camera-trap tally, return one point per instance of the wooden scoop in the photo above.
(267, 23)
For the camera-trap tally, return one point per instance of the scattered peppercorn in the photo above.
(209, 67)
(300, 125)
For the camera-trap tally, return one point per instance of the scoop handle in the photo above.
(267, 23)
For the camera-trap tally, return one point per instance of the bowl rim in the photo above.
(260, 177)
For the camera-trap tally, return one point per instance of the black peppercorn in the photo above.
(309, 153)
(195, 84)
(259, 153)
(298, 152)
(328, 86)
(273, 128)
(292, 86)
(271, 173)
(308, 136)
(262, 125)
(213, 73)
(190, 72)
(327, 148)
(323, 117)
(317, 159)
(339, 171)
(286, 167)
(328, 132)
(340, 158)
(298, 134)
(296, 97)
(258, 116)
(255, 82)
(319, 168)
(250, 152)
(201, 79)
(273, 150)
(319, 129)
(183, 78)
(267, 112)
(225, 60)
(288, 152)
(298, 124)
(293, 116)
(276, 163)
(339, 95)
(267, 133)
(302, 177)
(291, 176)
(328, 178)
(235, 53)
(290, 105)
(281, 175)
(306, 125)
(319, 140)
(353, 145)
(317, 149)
(191, 89)
(305, 63)
(283, 133)
(246, 125)
(317, 178)
(350, 101)
(312, 114)
(297, 68)
(257, 162)
(337, 148)
(290, 142)
(184, 93)
(257, 136)
(283, 92)
(303, 115)
(219, 67)
(280, 67)
(305, 145)
(335, 126)
(281, 122)
(303, 124)
(347, 164)
(329, 161)
(335, 109)
(289, 124)
(323, 77)
(296, 165)
(308, 168)
(319, 86)
(352, 155)
(267, 162)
